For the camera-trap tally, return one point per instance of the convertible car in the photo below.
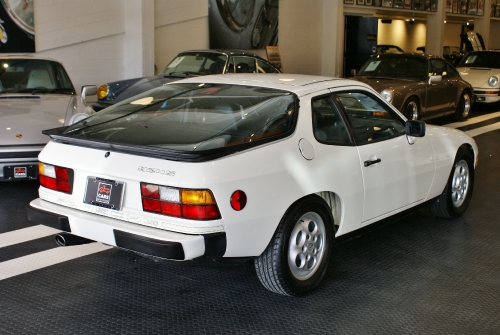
(269, 166)
(482, 70)
(185, 65)
(35, 94)
(420, 86)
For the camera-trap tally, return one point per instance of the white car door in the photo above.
(395, 173)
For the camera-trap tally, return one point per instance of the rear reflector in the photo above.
(182, 203)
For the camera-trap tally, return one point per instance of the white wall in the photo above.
(300, 37)
(179, 26)
(87, 36)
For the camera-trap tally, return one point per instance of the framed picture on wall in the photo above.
(434, 5)
(360, 2)
(472, 7)
(427, 5)
(418, 4)
(407, 4)
(398, 4)
(463, 7)
(386, 3)
(369, 2)
(448, 6)
(480, 7)
(454, 6)
(349, 2)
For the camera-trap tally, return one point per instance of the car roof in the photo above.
(232, 52)
(299, 84)
(19, 56)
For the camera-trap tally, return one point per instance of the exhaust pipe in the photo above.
(65, 240)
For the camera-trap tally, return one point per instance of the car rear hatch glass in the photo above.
(188, 122)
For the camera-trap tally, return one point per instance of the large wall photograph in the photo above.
(17, 26)
(243, 24)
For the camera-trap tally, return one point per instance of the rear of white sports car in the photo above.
(156, 174)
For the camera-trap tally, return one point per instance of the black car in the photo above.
(184, 65)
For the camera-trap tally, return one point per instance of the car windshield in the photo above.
(196, 64)
(395, 66)
(485, 59)
(33, 76)
(193, 117)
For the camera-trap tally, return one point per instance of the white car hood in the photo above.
(478, 77)
(23, 117)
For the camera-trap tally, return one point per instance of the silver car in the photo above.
(35, 94)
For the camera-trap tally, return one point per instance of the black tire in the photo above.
(457, 193)
(464, 106)
(411, 109)
(297, 258)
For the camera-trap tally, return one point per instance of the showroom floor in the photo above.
(416, 275)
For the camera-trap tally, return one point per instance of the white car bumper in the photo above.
(151, 241)
(487, 95)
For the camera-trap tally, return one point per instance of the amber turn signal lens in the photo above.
(102, 92)
(197, 197)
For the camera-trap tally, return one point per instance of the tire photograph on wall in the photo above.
(243, 24)
(17, 26)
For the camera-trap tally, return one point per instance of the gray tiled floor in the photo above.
(417, 275)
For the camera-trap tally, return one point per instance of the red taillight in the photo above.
(183, 203)
(55, 177)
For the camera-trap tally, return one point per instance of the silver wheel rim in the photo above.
(460, 183)
(466, 105)
(412, 110)
(307, 245)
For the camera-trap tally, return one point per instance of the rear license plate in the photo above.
(20, 172)
(104, 193)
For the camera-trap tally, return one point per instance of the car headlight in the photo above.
(102, 92)
(387, 95)
(493, 81)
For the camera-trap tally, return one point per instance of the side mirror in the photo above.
(89, 93)
(415, 128)
(435, 79)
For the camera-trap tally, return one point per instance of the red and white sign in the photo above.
(104, 193)
(20, 172)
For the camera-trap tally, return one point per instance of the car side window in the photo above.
(370, 119)
(328, 126)
(263, 67)
(244, 64)
(438, 67)
(451, 71)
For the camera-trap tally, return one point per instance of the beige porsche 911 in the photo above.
(420, 86)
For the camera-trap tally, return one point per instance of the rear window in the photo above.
(194, 117)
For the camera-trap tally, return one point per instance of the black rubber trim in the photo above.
(21, 154)
(53, 220)
(149, 246)
(215, 244)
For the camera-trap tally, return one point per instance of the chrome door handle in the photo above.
(368, 163)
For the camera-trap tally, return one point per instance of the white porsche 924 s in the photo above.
(269, 166)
